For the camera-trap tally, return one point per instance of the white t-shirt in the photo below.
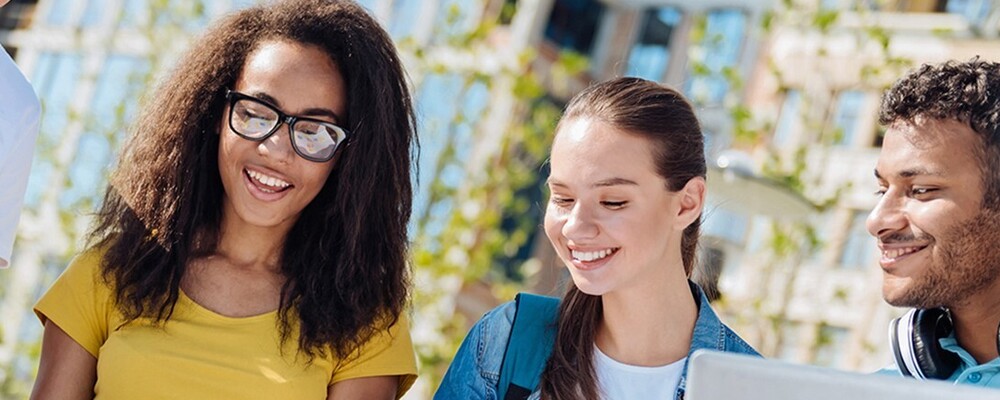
(619, 381)
(19, 119)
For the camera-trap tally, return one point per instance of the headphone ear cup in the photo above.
(928, 326)
(998, 338)
(895, 340)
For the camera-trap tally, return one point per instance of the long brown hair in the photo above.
(662, 116)
(345, 258)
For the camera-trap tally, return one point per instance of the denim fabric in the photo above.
(475, 371)
(969, 371)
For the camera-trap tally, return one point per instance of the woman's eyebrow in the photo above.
(314, 111)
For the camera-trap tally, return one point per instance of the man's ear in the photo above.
(691, 199)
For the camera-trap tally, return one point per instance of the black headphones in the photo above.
(914, 337)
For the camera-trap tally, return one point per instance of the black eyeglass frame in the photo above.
(233, 96)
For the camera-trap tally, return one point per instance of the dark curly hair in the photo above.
(968, 92)
(345, 258)
(667, 121)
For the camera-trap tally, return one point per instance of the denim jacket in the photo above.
(475, 371)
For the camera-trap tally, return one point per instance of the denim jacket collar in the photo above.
(475, 370)
(709, 333)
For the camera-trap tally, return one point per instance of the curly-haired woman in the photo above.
(252, 242)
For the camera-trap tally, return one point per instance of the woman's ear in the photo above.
(691, 199)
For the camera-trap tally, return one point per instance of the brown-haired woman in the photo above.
(627, 186)
(252, 241)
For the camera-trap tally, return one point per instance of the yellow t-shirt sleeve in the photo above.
(78, 302)
(385, 354)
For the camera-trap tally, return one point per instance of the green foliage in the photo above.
(473, 231)
(824, 20)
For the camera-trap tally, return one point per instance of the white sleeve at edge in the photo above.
(20, 112)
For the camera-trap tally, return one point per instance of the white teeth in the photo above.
(896, 253)
(267, 180)
(590, 255)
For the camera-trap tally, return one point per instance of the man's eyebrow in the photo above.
(917, 171)
(911, 172)
(316, 111)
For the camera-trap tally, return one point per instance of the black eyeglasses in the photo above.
(253, 119)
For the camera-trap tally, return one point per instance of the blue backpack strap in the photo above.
(531, 339)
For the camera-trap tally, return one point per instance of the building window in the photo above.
(846, 117)
(120, 82)
(241, 4)
(17, 14)
(454, 17)
(858, 244)
(55, 78)
(573, 24)
(448, 108)
(975, 11)
(788, 120)
(830, 343)
(403, 21)
(650, 55)
(59, 12)
(134, 13)
(720, 41)
(93, 14)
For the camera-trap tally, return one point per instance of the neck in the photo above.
(976, 321)
(649, 328)
(249, 246)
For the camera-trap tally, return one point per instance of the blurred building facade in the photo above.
(804, 86)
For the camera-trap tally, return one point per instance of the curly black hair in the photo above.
(345, 258)
(968, 92)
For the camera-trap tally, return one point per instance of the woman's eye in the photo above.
(614, 204)
(921, 191)
(561, 201)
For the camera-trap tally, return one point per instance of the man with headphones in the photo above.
(937, 220)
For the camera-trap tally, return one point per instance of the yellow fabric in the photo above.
(199, 354)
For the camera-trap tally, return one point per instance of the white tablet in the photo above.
(728, 376)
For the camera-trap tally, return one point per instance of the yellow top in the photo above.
(199, 354)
